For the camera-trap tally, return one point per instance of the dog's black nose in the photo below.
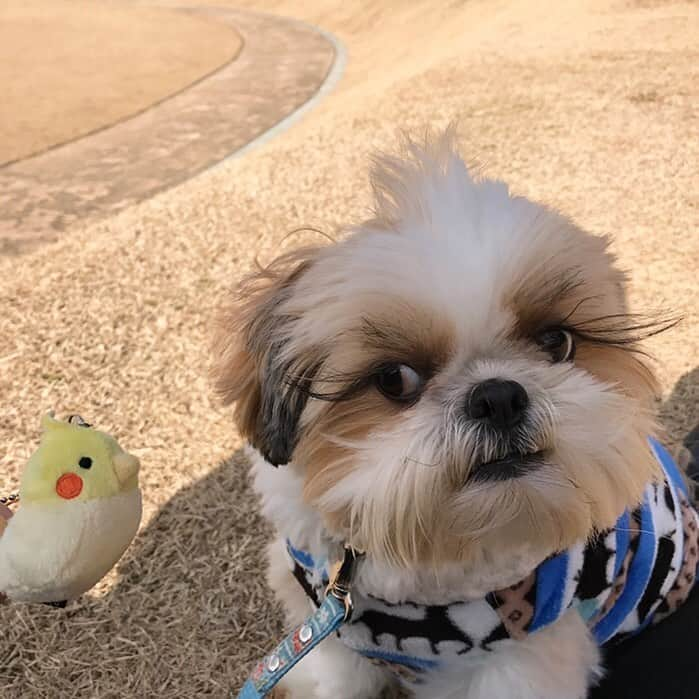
(500, 402)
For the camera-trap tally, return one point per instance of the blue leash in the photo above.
(335, 610)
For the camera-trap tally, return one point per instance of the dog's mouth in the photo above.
(513, 465)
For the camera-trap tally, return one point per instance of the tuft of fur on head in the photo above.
(456, 278)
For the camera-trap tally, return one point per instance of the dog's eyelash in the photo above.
(341, 395)
(622, 330)
(352, 383)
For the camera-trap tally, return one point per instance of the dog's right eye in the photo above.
(399, 382)
(558, 342)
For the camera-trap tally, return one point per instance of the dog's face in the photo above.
(459, 375)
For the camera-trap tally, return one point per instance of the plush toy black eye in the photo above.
(399, 382)
(558, 342)
(85, 462)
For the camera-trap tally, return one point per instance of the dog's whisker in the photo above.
(420, 463)
(669, 537)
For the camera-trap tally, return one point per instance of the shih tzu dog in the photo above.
(457, 389)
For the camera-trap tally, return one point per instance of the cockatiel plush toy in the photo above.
(80, 507)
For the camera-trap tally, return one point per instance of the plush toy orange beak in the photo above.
(69, 485)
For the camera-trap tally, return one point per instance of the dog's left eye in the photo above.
(399, 382)
(558, 342)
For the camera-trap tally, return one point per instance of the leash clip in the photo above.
(334, 611)
(342, 574)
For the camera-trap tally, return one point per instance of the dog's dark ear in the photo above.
(283, 394)
(252, 365)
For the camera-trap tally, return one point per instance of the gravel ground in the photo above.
(590, 107)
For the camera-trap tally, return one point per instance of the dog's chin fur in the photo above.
(455, 277)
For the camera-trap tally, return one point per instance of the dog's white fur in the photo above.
(455, 271)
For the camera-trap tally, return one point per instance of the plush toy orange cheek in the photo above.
(69, 485)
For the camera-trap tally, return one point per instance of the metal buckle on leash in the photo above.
(341, 577)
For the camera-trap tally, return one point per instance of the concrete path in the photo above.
(280, 67)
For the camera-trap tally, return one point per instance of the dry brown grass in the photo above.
(68, 67)
(114, 320)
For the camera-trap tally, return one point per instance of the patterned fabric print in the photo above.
(660, 533)
(668, 555)
(687, 575)
(515, 606)
(432, 623)
(622, 618)
(596, 575)
(619, 582)
(597, 568)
